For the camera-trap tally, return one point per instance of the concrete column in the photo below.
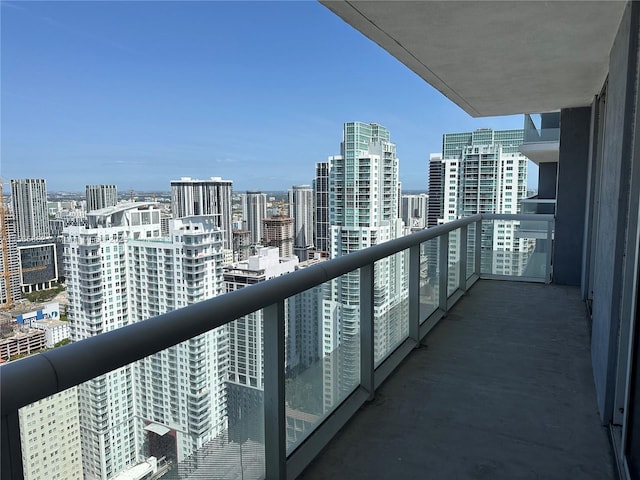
(547, 180)
(572, 193)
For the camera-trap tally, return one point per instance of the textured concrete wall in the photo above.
(572, 193)
(547, 180)
(613, 208)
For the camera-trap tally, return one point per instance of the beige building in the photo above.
(50, 436)
(23, 342)
(278, 232)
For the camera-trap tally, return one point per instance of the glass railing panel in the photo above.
(538, 206)
(390, 304)
(454, 262)
(322, 358)
(515, 248)
(50, 437)
(471, 249)
(190, 411)
(429, 278)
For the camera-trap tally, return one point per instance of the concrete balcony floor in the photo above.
(501, 389)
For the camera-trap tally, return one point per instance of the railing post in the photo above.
(443, 268)
(547, 277)
(478, 248)
(275, 427)
(462, 266)
(11, 446)
(367, 367)
(414, 293)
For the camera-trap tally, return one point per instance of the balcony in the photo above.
(500, 389)
(542, 144)
(439, 266)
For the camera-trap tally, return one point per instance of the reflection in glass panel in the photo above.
(471, 249)
(390, 304)
(429, 272)
(322, 353)
(515, 248)
(454, 262)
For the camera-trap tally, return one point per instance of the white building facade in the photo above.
(483, 172)
(29, 202)
(100, 196)
(121, 271)
(246, 368)
(364, 206)
(50, 438)
(301, 209)
(212, 196)
(254, 211)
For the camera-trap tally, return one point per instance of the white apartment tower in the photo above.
(364, 205)
(246, 369)
(483, 172)
(50, 438)
(414, 211)
(321, 207)
(120, 271)
(29, 202)
(205, 197)
(254, 211)
(100, 196)
(301, 209)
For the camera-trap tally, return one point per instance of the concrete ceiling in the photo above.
(496, 57)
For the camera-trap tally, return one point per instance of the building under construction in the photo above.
(10, 291)
(278, 232)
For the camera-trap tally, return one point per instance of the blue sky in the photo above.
(140, 93)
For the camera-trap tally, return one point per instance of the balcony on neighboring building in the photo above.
(541, 142)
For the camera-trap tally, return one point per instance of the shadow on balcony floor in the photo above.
(501, 389)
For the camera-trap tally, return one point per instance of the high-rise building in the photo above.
(305, 327)
(301, 209)
(241, 245)
(436, 195)
(39, 265)
(321, 209)
(246, 369)
(414, 211)
(204, 197)
(254, 211)
(29, 201)
(278, 232)
(10, 290)
(363, 185)
(484, 172)
(101, 196)
(121, 271)
(50, 437)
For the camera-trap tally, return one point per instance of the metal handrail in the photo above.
(40, 376)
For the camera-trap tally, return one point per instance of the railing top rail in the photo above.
(39, 376)
(534, 217)
(537, 200)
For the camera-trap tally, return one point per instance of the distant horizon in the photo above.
(140, 93)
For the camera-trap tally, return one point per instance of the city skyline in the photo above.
(91, 97)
